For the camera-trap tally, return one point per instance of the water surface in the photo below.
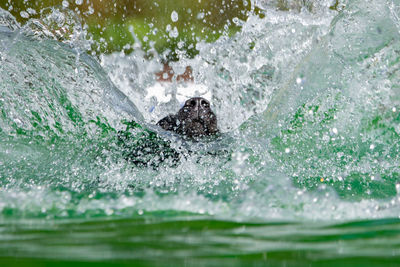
(308, 104)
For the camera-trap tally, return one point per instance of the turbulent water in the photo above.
(306, 172)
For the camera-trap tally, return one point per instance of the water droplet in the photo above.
(90, 10)
(174, 33)
(174, 16)
(24, 14)
(200, 16)
(372, 146)
(326, 138)
(334, 130)
(31, 11)
(298, 80)
(65, 4)
(287, 150)
(18, 121)
(109, 211)
(78, 2)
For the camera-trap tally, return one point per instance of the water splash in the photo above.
(291, 90)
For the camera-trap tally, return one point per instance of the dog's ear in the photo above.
(169, 123)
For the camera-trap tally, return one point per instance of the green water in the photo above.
(167, 239)
(305, 173)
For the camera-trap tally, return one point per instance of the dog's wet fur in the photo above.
(194, 120)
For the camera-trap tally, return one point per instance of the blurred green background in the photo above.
(171, 27)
